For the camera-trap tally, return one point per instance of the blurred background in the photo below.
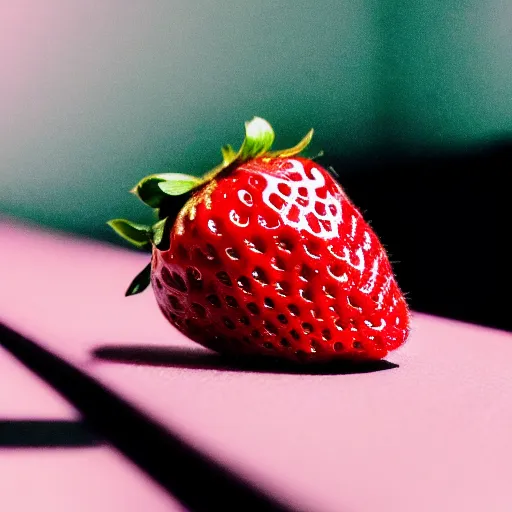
(411, 102)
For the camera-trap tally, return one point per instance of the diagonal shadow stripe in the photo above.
(197, 481)
(46, 434)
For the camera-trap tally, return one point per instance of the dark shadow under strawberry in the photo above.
(199, 359)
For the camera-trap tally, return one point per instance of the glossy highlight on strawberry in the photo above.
(268, 256)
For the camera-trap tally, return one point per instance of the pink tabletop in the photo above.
(432, 433)
(75, 471)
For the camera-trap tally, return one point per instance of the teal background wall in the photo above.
(446, 72)
(94, 95)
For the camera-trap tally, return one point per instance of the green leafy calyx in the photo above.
(167, 193)
(156, 189)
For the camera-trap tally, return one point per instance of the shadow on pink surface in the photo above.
(46, 434)
(199, 359)
(197, 481)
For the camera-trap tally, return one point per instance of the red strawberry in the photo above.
(267, 255)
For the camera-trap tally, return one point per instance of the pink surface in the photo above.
(432, 434)
(84, 479)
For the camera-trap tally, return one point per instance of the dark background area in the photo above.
(445, 221)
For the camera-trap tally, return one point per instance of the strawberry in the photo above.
(266, 255)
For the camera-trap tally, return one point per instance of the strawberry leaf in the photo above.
(178, 184)
(259, 137)
(158, 231)
(137, 234)
(228, 154)
(298, 148)
(149, 191)
(141, 281)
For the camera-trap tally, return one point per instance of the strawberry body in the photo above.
(273, 259)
